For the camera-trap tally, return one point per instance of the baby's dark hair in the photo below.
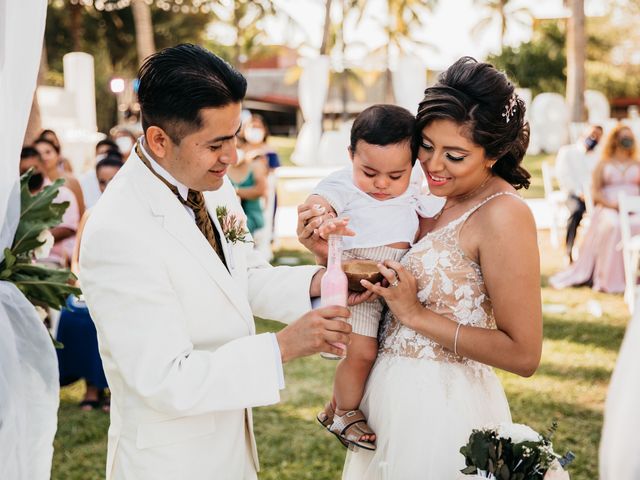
(385, 125)
(483, 100)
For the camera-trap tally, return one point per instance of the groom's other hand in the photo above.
(310, 217)
(315, 332)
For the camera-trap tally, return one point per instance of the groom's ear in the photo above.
(158, 141)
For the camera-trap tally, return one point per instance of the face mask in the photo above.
(254, 135)
(35, 182)
(626, 142)
(240, 154)
(590, 143)
(124, 144)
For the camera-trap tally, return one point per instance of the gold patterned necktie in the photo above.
(195, 201)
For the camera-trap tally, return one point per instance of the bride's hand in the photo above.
(402, 293)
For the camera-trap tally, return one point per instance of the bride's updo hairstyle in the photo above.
(482, 100)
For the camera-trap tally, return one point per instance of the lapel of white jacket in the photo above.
(178, 223)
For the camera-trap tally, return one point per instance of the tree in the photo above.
(402, 19)
(144, 29)
(576, 53)
(505, 11)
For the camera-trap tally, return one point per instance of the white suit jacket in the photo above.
(176, 332)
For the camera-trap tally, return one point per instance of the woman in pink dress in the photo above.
(600, 262)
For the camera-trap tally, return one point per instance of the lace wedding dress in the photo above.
(421, 399)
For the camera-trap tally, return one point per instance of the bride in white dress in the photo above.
(466, 297)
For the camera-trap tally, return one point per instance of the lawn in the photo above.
(579, 354)
(578, 357)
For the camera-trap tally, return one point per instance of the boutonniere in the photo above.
(232, 226)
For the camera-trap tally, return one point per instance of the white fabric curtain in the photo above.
(619, 459)
(313, 88)
(409, 82)
(29, 389)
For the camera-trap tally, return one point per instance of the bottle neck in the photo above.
(334, 259)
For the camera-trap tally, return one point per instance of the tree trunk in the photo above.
(144, 29)
(327, 28)
(34, 126)
(576, 45)
(76, 26)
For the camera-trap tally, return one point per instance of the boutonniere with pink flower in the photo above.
(233, 226)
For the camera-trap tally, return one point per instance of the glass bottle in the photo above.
(334, 286)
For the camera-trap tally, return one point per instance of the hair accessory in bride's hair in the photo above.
(510, 108)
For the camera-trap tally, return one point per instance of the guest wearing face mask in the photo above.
(125, 140)
(65, 233)
(600, 262)
(256, 133)
(574, 167)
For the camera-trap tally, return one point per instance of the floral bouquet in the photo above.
(513, 452)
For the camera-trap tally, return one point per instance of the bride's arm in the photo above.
(508, 255)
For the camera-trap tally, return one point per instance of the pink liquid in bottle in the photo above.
(334, 286)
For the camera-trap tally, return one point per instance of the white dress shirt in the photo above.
(574, 166)
(183, 190)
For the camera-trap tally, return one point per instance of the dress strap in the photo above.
(469, 212)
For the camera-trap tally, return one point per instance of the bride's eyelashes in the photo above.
(429, 148)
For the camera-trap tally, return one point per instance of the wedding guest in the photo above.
(125, 140)
(249, 177)
(256, 134)
(574, 167)
(64, 234)
(600, 263)
(80, 358)
(63, 163)
(466, 297)
(50, 154)
(89, 181)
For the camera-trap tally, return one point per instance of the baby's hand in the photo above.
(334, 226)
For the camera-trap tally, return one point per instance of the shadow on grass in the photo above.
(597, 334)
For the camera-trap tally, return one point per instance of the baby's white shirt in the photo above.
(376, 222)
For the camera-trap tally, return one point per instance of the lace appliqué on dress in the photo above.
(450, 284)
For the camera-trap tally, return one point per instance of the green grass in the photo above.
(579, 354)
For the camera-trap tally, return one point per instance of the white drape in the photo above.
(312, 94)
(549, 120)
(409, 82)
(619, 459)
(29, 389)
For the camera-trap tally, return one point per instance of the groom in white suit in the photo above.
(173, 300)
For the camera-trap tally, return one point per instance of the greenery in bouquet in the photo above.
(232, 226)
(43, 286)
(511, 452)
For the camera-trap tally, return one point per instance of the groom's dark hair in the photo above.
(177, 82)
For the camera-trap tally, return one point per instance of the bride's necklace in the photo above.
(462, 198)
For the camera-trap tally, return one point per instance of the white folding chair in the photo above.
(556, 200)
(627, 206)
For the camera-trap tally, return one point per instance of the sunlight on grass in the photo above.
(579, 354)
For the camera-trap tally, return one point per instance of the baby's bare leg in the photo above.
(352, 373)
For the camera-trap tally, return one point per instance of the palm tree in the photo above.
(576, 46)
(145, 43)
(326, 29)
(403, 16)
(505, 11)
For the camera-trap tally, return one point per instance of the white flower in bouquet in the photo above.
(518, 432)
(43, 250)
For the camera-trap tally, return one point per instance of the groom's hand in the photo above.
(315, 332)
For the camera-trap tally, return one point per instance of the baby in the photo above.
(382, 203)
